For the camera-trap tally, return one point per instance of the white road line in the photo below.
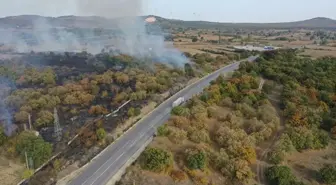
(131, 145)
(104, 164)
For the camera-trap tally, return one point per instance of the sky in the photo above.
(208, 10)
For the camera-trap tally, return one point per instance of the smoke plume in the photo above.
(5, 114)
(122, 15)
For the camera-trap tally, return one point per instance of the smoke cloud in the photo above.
(5, 114)
(122, 15)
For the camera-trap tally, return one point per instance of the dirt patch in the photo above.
(10, 171)
(319, 53)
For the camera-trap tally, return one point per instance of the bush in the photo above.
(177, 136)
(303, 138)
(137, 111)
(198, 136)
(180, 111)
(327, 174)
(163, 130)
(131, 112)
(196, 159)
(57, 165)
(101, 134)
(276, 156)
(27, 173)
(180, 121)
(156, 160)
(281, 175)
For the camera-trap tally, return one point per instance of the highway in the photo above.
(107, 164)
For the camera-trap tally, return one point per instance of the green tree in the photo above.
(280, 175)
(101, 133)
(44, 118)
(196, 160)
(156, 160)
(37, 149)
(328, 174)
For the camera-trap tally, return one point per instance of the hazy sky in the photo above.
(210, 10)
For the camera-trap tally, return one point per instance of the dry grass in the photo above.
(10, 171)
(319, 53)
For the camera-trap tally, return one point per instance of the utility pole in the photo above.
(26, 160)
(29, 122)
(57, 127)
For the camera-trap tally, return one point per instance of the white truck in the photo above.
(178, 102)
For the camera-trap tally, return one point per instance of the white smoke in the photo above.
(122, 15)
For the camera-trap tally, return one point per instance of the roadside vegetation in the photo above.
(213, 137)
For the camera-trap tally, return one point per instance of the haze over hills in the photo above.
(28, 21)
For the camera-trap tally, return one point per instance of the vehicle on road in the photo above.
(178, 102)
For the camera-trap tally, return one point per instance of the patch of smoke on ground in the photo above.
(134, 39)
(5, 114)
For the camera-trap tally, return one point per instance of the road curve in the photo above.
(107, 164)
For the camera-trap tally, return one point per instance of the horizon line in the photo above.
(174, 19)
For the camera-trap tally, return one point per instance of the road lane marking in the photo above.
(104, 163)
(131, 145)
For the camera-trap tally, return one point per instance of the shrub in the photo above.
(327, 174)
(199, 136)
(101, 134)
(276, 156)
(196, 159)
(180, 111)
(137, 111)
(180, 121)
(281, 175)
(57, 165)
(131, 112)
(156, 160)
(163, 130)
(27, 173)
(177, 135)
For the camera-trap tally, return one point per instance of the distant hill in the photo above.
(26, 21)
(319, 22)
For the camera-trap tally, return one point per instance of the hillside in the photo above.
(27, 21)
(318, 22)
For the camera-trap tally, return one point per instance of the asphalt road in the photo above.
(101, 169)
